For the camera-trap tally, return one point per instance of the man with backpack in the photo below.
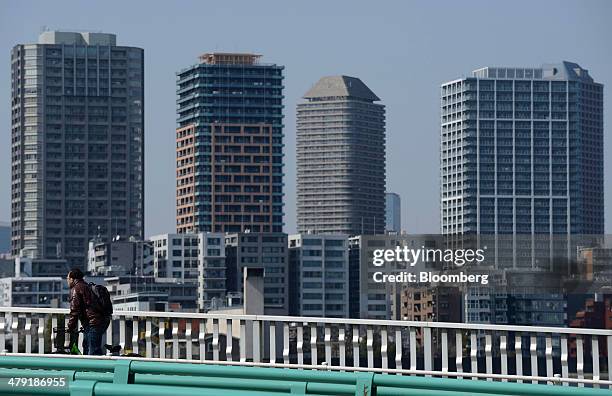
(90, 304)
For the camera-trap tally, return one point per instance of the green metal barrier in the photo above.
(387, 385)
(104, 377)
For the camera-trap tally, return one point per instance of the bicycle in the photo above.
(73, 347)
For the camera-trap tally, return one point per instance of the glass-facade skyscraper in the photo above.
(229, 145)
(522, 159)
(77, 112)
(393, 212)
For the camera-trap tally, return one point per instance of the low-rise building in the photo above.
(594, 262)
(211, 269)
(380, 300)
(27, 266)
(319, 275)
(431, 304)
(175, 256)
(260, 250)
(34, 292)
(141, 301)
(181, 295)
(120, 257)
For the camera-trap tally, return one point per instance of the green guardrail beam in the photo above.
(120, 377)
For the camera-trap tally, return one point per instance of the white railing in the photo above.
(475, 351)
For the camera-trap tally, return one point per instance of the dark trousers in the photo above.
(92, 340)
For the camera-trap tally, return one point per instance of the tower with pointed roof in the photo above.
(341, 159)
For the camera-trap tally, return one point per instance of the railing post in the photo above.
(370, 346)
(503, 349)
(135, 334)
(188, 341)
(342, 345)
(162, 338)
(28, 333)
(300, 343)
(518, 354)
(15, 332)
(109, 333)
(444, 336)
(355, 345)
(229, 339)
(384, 347)
(489, 353)
(533, 349)
(595, 358)
(81, 336)
(2, 332)
(175, 339)
(243, 343)
(66, 338)
(579, 358)
(256, 341)
(564, 359)
(328, 348)
(313, 344)
(272, 329)
(53, 334)
(215, 340)
(148, 336)
(474, 352)
(41, 335)
(286, 343)
(122, 342)
(413, 349)
(427, 349)
(202, 339)
(398, 349)
(459, 351)
(549, 358)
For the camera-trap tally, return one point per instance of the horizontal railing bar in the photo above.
(298, 319)
(323, 367)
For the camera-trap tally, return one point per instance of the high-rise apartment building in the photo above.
(341, 159)
(77, 144)
(229, 145)
(393, 212)
(522, 160)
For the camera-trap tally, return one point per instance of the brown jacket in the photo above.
(81, 307)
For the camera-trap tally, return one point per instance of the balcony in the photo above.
(562, 356)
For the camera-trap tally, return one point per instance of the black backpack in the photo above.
(101, 300)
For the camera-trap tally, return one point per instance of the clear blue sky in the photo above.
(402, 50)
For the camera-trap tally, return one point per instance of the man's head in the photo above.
(73, 276)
